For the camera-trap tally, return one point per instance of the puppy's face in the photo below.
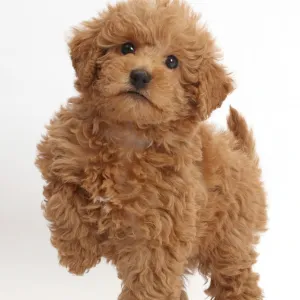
(148, 62)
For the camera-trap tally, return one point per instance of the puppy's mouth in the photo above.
(137, 95)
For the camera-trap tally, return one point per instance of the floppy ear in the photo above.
(214, 86)
(84, 52)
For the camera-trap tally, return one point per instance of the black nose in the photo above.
(139, 78)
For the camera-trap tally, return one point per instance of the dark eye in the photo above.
(172, 62)
(127, 48)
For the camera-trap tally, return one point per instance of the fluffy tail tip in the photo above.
(238, 126)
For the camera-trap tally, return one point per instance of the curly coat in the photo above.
(147, 183)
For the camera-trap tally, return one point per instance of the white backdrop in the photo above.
(261, 44)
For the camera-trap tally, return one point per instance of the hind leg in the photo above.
(230, 267)
(234, 215)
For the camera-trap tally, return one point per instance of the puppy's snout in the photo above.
(140, 78)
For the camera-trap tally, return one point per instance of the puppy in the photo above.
(134, 174)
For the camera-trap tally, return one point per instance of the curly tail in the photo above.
(244, 136)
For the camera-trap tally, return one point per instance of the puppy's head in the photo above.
(148, 62)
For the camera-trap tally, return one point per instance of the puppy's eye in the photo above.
(172, 62)
(127, 48)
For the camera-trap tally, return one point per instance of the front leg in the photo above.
(72, 230)
(151, 271)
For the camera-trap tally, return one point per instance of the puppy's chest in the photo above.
(140, 171)
(149, 181)
(141, 198)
